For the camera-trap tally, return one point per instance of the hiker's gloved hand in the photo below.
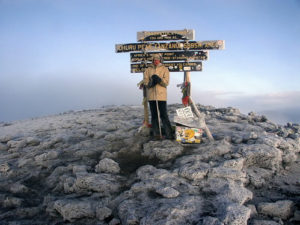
(151, 83)
(156, 79)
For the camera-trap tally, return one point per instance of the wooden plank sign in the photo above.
(166, 35)
(160, 46)
(170, 56)
(172, 66)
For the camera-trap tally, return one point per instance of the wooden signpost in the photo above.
(182, 54)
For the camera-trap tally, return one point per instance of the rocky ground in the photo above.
(93, 167)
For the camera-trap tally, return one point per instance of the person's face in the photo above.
(156, 62)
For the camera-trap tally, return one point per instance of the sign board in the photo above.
(170, 56)
(160, 46)
(166, 35)
(172, 66)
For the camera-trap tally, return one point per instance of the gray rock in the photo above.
(264, 222)
(18, 188)
(236, 214)
(281, 209)
(261, 155)
(4, 168)
(3, 147)
(164, 150)
(110, 155)
(215, 149)
(100, 134)
(250, 136)
(12, 202)
(167, 192)
(228, 173)
(74, 209)
(194, 170)
(253, 210)
(258, 176)
(185, 210)
(32, 141)
(237, 164)
(79, 169)
(208, 220)
(160, 179)
(296, 216)
(46, 156)
(102, 213)
(107, 166)
(16, 144)
(226, 190)
(289, 157)
(105, 184)
(111, 127)
(114, 221)
(5, 138)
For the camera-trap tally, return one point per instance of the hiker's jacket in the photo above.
(161, 89)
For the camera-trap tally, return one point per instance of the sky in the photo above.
(59, 55)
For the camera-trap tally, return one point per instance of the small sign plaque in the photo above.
(170, 56)
(166, 35)
(172, 66)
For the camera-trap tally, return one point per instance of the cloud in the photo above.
(28, 96)
(280, 107)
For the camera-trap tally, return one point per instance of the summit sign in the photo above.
(178, 49)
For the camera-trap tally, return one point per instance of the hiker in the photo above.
(156, 79)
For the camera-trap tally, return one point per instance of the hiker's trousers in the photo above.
(162, 106)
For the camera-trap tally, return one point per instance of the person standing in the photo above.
(156, 79)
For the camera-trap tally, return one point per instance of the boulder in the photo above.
(32, 141)
(227, 173)
(105, 184)
(282, 209)
(194, 170)
(226, 191)
(264, 222)
(167, 192)
(208, 220)
(107, 166)
(235, 214)
(165, 150)
(3, 147)
(103, 212)
(71, 210)
(261, 155)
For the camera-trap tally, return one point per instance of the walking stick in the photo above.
(158, 113)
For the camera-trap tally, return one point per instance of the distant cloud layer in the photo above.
(22, 100)
(279, 107)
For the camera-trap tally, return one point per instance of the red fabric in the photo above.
(185, 101)
(147, 124)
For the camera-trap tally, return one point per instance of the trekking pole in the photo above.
(158, 113)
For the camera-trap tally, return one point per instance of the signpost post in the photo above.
(182, 54)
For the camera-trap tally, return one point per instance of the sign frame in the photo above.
(166, 35)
